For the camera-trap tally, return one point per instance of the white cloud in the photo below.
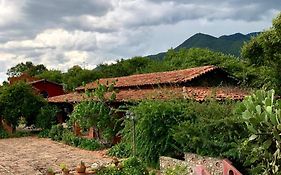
(60, 34)
(11, 11)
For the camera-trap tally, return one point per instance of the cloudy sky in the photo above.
(63, 33)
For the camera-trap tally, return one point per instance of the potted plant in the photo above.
(64, 169)
(81, 168)
(50, 171)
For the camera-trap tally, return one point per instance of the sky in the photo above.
(64, 33)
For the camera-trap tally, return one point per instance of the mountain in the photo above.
(228, 44)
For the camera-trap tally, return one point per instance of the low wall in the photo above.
(167, 163)
(212, 165)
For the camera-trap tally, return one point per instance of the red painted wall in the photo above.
(51, 88)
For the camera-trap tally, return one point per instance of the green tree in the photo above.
(18, 101)
(76, 76)
(264, 51)
(46, 116)
(52, 75)
(27, 67)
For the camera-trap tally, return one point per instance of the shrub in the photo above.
(121, 150)
(19, 100)
(154, 123)
(18, 134)
(44, 133)
(134, 166)
(89, 144)
(46, 117)
(3, 134)
(211, 129)
(56, 132)
(128, 167)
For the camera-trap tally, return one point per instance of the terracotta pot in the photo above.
(81, 168)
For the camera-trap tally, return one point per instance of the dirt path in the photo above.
(32, 156)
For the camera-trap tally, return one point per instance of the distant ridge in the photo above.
(228, 44)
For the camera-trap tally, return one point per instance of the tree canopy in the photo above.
(27, 67)
(264, 52)
(19, 100)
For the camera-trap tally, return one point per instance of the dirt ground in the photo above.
(33, 156)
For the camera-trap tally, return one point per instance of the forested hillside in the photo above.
(227, 44)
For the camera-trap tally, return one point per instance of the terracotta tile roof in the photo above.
(196, 93)
(171, 77)
(68, 98)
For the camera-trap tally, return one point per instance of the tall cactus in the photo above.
(262, 115)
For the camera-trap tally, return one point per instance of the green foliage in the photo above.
(89, 144)
(56, 132)
(169, 128)
(128, 167)
(264, 51)
(44, 133)
(124, 67)
(262, 115)
(27, 67)
(98, 114)
(46, 117)
(18, 100)
(134, 166)
(177, 170)
(121, 150)
(3, 134)
(76, 76)
(154, 123)
(211, 128)
(52, 75)
(18, 134)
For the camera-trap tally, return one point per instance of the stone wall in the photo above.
(167, 163)
(212, 165)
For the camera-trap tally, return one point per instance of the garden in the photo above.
(246, 132)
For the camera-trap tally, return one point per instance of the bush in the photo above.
(128, 167)
(46, 117)
(44, 133)
(211, 129)
(154, 123)
(121, 150)
(3, 134)
(170, 128)
(18, 134)
(56, 132)
(134, 166)
(89, 144)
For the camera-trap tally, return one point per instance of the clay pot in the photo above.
(81, 168)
